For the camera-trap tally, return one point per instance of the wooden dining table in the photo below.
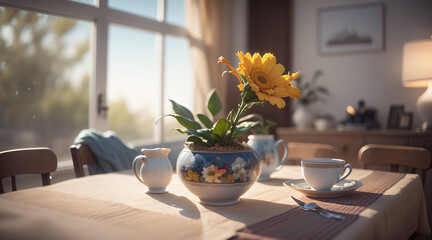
(116, 206)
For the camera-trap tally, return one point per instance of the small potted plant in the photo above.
(266, 147)
(303, 116)
(214, 165)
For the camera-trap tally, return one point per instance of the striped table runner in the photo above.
(299, 224)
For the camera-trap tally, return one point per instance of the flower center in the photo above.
(261, 78)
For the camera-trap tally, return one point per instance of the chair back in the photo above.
(81, 155)
(40, 160)
(298, 151)
(396, 157)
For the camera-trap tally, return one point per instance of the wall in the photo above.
(374, 77)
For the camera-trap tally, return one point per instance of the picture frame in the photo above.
(351, 29)
(405, 120)
(394, 116)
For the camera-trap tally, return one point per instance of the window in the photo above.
(107, 65)
(44, 79)
(133, 87)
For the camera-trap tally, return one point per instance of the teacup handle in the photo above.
(349, 172)
(139, 158)
(285, 155)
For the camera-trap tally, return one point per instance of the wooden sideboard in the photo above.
(349, 142)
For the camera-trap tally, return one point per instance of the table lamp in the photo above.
(417, 73)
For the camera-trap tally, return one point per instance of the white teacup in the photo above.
(322, 173)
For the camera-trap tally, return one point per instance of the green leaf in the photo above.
(180, 131)
(270, 123)
(253, 116)
(244, 80)
(229, 117)
(216, 138)
(322, 89)
(181, 110)
(201, 133)
(205, 120)
(204, 133)
(242, 128)
(185, 122)
(251, 104)
(196, 140)
(214, 104)
(221, 127)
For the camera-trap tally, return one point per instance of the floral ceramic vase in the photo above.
(268, 153)
(218, 177)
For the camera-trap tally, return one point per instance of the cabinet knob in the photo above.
(345, 148)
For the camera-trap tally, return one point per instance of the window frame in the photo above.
(101, 17)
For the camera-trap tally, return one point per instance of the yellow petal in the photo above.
(246, 60)
(281, 92)
(280, 103)
(253, 86)
(269, 61)
(280, 81)
(240, 86)
(233, 71)
(288, 78)
(277, 71)
(268, 91)
(293, 92)
(261, 96)
(256, 60)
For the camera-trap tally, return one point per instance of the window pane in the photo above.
(89, 2)
(175, 12)
(133, 90)
(144, 8)
(178, 80)
(44, 80)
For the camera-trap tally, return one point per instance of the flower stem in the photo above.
(241, 110)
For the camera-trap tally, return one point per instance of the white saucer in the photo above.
(339, 189)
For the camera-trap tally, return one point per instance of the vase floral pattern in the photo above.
(218, 167)
(220, 172)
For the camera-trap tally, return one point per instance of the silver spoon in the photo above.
(318, 209)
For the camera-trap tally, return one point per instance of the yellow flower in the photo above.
(228, 179)
(265, 78)
(194, 176)
(212, 173)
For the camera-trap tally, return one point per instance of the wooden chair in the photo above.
(39, 160)
(81, 155)
(298, 151)
(396, 157)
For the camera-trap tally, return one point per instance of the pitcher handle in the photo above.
(285, 155)
(139, 158)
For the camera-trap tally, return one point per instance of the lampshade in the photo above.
(417, 63)
(417, 72)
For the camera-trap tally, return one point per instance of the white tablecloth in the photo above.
(115, 206)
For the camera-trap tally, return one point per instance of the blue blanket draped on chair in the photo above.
(111, 153)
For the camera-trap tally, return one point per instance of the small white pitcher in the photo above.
(268, 153)
(153, 169)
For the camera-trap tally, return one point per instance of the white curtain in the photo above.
(208, 27)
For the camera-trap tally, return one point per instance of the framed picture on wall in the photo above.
(351, 29)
